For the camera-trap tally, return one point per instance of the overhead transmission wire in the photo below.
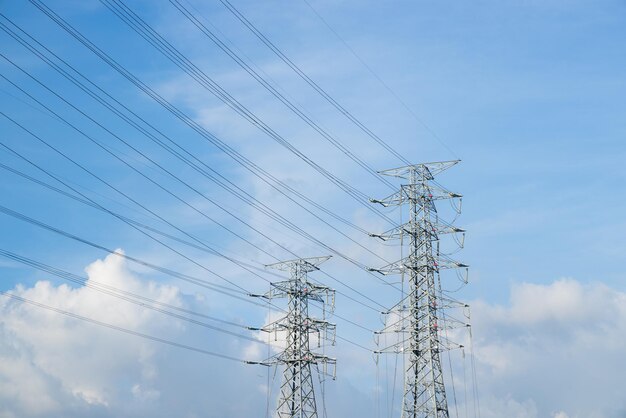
(255, 75)
(213, 251)
(210, 249)
(382, 82)
(131, 297)
(118, 215)
(63, 120)
(91, 173)
(211, 138)
(178, 59)
(268, 86)
(240, 159)
(234, 293)
(191, 279)
(121, 329)
(248, 24)
(91, 203)
(181, 276)
(196, 281)
(108, 106)
(106, 149)
(143, 131)
(142, 225)
(342, 338)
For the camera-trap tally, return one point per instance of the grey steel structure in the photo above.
(421, 311)
(297, 394)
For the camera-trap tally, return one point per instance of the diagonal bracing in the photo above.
(297, 394)
(420, 313)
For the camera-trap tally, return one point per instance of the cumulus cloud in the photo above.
(52, 365)
(555, 350)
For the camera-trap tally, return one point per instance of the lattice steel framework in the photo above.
(421, 341)
(297, 394)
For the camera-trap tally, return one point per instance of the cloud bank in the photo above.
(553, 351)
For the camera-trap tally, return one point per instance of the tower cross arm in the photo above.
(305, 265)
(427, 170)
(394, 199)
(432, 229)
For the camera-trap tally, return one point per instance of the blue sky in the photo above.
(529, 95)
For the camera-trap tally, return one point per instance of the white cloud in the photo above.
(556, 347)
(542, 354)
(52, 365)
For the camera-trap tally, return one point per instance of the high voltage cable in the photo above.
(310, 81)
(103, 147)
(211, 250)
(340, 337)
(82, 167)
(282, 220)
(352, 298)
(238, 157)
(125, 118)
(120, 329)
(268, 86)
(234, 293)
(382, 82)
(215, 252)
(181, 276)
(171, 53)
(182, 241)
(172, 237)
(131, 297)
(118, 215)
(63, 120)
(97, 206)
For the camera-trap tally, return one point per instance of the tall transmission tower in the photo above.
(297, 394)
(422, 311)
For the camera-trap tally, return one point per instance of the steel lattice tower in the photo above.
(421, 342)
(297, 394)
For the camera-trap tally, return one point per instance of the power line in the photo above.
(211, 250)
(82, 167)
(5, 115)
(208, 136)
(240, 16)
(142, 225)
(185, 277)
(106, 149)
(118, 215)
(382, 82)
(268, 86)
(263, 175)
(131, 297)
(234, 293)
(121, 329)
(237, 193)
(170, 52)
(98, 207)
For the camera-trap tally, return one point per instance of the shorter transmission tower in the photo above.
(297, 394)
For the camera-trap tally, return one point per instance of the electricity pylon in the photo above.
(421, 311)
(297, 394)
